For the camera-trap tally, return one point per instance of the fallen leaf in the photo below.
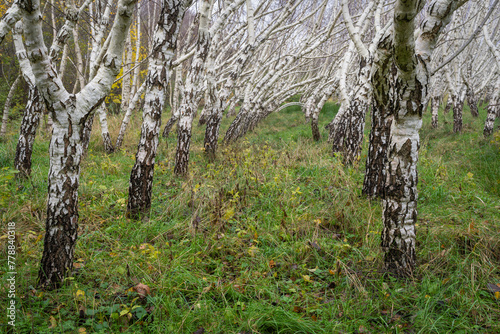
(307, 278)
(77, 265)
(53, 322)
(142, 289)
(494, 288)
(80, 293)
(272, 264)
(82, 330)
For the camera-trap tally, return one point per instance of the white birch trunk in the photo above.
(189, 102)
(6, 108)
(9, 19)
(412, 59)
(164, 44)
(69, 114)
(32, 112)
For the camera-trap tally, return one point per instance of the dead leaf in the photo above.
(272, 264)
(82, 330)
(53, 322)
(494, 288)
(78, 265)
(142, 289)
(307, 278)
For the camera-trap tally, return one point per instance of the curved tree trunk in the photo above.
(27, 133)
(190, 94)
(69, 114)
(34, 108)
(352, 122)
(6, 108)
(373, 184)
(165, 37)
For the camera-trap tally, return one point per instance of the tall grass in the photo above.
(272, 237)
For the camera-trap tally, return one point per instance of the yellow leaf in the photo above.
(53, 322)
(253, 251)
(307, 278)
(80, 293)
(82, 330)
(123, 312)
(497, 295)
(446, 280)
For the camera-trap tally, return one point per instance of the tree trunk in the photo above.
(27, 133)
(34, 108)
(62, 205)
(375, 171)
(373, 184)
(314, 127)
(8, 102)
(472, 102)
(458, 106)
(183, 144)
(212, 134)
(69, 115)
(352, 122)
(400, 196)
(87, 131)
(492, 114)
(165, 37)
(128, 114)
(106, 138)
(449, 105)
(435, 111)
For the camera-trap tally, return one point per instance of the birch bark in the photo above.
(32, 112)
(69, 113)
(6, 108)
(189, 102)
(412, 59)
(163, 48)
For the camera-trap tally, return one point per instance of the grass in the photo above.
(273, 237)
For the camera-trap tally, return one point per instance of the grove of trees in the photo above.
(385, 61)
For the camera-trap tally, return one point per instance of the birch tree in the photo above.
(69, 112)
(412, 58)
(160, 61)
(493, 109)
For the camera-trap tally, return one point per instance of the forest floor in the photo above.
(272, 237)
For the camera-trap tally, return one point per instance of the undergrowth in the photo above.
(274, 236)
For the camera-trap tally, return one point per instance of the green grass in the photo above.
(273, 237)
